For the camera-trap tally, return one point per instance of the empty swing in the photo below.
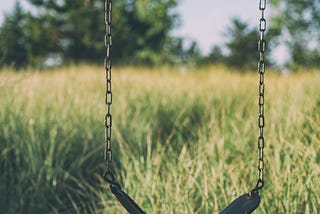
(245, 203)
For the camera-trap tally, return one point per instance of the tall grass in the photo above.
(183, 142)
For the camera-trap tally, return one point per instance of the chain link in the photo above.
(261, 118)
(108, 96)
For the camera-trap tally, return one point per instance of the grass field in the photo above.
(183, 142)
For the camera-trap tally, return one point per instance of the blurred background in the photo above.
(184, 105)
(46, 33)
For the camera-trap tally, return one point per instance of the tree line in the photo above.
(72, 31)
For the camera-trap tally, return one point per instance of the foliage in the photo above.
(299, 22)
(141, 29)
(73, 30)
(13, 48)
(182, 142)
(242, 45)
(216, 55)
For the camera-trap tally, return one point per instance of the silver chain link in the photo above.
(108, 96)
(261, 70)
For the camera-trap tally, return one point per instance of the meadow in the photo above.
(183, 141)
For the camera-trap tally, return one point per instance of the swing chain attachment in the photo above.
(261, 118)
(109, 178)
(108, 95)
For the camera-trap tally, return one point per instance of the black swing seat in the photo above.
(131, 206)
(244, 204)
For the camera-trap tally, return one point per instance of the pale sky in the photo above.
(204, 21)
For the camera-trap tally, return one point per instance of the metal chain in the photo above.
(108, 96)
(261, 118)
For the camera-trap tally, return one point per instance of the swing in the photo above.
(245, 203)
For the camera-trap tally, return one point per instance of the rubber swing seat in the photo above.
(244, 204)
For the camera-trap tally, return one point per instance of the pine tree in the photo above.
(13, 50)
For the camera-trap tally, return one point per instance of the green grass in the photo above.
(182, 142)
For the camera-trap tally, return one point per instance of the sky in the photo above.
(203, 21)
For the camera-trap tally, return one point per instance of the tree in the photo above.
(143, 27)
(176, 51)
(13, 46)
(70, 29)
(242, 45)
(74, 31)
(140, 28)
(298, 21)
